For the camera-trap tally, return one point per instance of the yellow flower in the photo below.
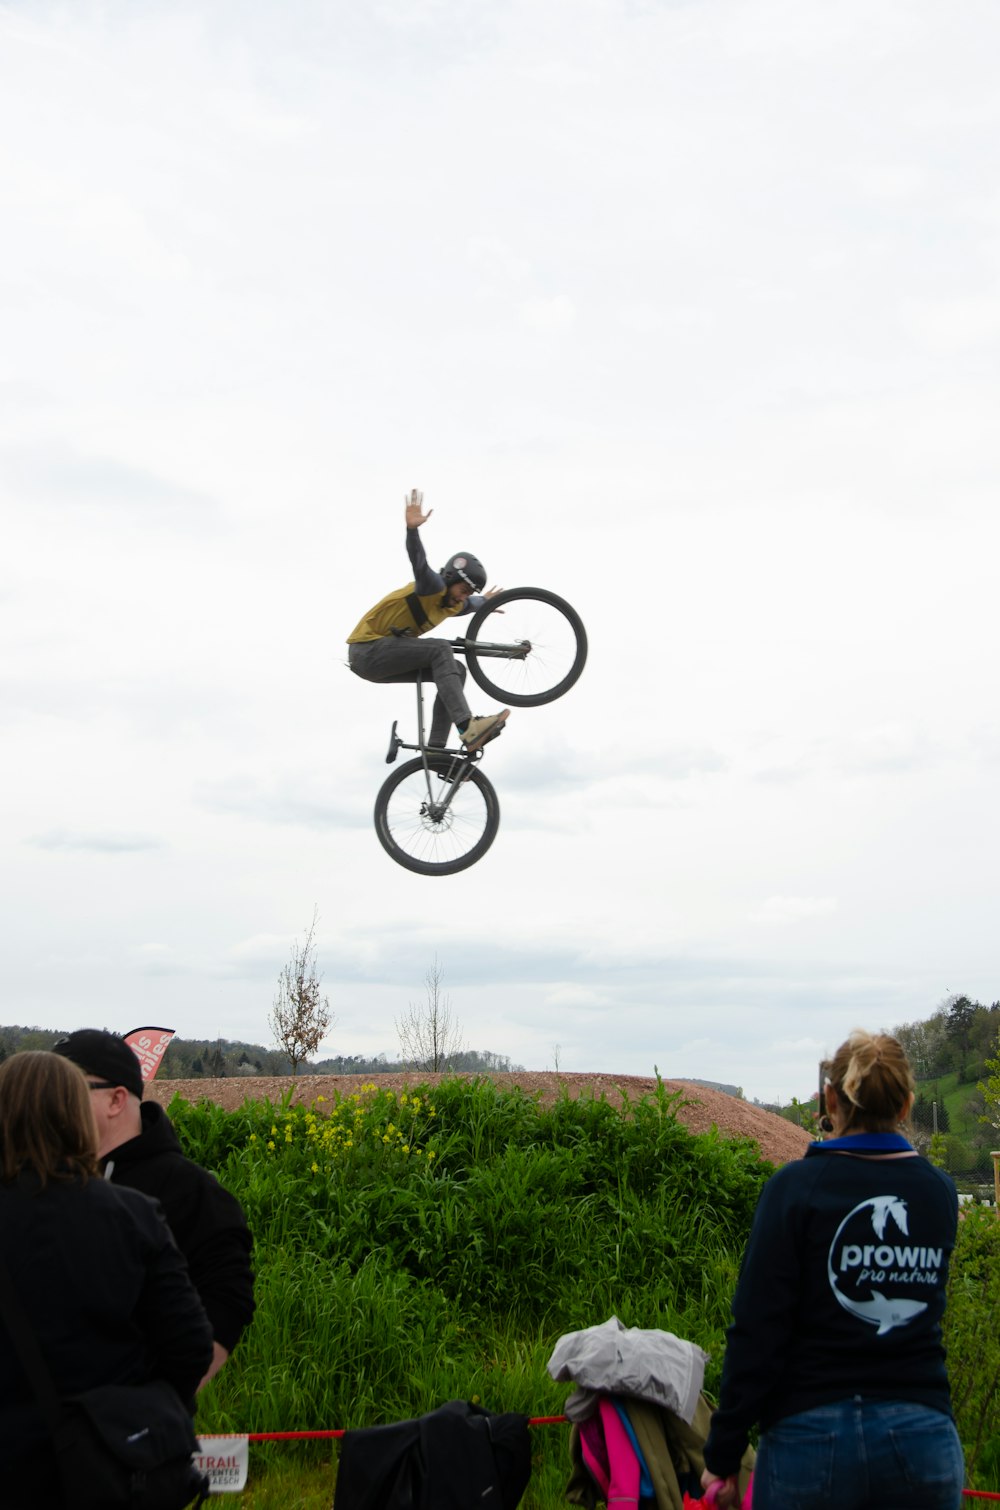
(314, 1167)
(253, 1137)
(403, 1099)
(270, 1144)
(320, 1098)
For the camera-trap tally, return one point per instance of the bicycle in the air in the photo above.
(438, 813)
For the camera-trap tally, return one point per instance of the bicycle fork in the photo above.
(458, 770)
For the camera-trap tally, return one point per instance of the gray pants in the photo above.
(398, 658)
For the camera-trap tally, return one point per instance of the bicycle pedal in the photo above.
(395, 744)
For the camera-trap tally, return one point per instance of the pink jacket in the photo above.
(610, 1457)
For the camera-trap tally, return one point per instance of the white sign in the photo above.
(225, 1460)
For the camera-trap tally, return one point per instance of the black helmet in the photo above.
(464, 568)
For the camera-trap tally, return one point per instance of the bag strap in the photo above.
(416, 608)
(27, 1349)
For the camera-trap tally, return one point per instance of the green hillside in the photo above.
(434, 1245)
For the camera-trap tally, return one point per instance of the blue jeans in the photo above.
(860, 1455)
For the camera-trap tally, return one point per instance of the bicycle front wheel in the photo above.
(421, 829)
(526, 646)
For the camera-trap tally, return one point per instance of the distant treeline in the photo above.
(959, 1037)
(949, 1055)
(223, 1058)
(715, 1085)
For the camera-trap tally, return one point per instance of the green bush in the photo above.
(434, 1245)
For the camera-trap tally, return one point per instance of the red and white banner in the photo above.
(149, 1046)
(225, 1460)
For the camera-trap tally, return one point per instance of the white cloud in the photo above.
(780, 910)
(498, 261)
(888, 180)
(957, 324)
(95, 843)
(575, 998)
(551, 314)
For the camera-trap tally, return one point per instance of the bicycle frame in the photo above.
(518, 652)
(461, 760)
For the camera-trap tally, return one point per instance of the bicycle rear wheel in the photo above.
(541, 646)
(416, 829)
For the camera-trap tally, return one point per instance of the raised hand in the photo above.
(414, 504)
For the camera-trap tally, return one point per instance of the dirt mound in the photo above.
(700, 1109)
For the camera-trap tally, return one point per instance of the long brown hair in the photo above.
(873, 1080)
(46, 1119)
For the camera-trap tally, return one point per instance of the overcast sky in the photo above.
(688, 311)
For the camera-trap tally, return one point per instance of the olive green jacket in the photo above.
(672, 1451)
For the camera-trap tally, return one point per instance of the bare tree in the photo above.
(429, 1035)
(300, 1016)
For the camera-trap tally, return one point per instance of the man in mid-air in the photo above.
(386, 645)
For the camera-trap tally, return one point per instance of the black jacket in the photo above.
(207, 1222)
(107, 1293)
(456, 1456)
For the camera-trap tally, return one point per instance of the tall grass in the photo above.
(431, 1246)
(972, 1336)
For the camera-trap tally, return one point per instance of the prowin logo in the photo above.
(861, 1272)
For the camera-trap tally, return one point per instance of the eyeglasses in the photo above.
(101, 1085)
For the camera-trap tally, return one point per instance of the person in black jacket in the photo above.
(95, 1270)
(835, 1345)
(138, 1147)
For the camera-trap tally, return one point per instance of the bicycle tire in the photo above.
(558, 646)
(414, 840)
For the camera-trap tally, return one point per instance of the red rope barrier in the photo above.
(300, 1436)
(306, 1436)
(286, 1436)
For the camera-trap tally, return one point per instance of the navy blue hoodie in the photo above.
(841, 1292)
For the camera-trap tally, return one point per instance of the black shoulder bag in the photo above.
(118, 1447)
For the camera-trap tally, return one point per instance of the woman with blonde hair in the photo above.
(835, 1346)
(92, 1266)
